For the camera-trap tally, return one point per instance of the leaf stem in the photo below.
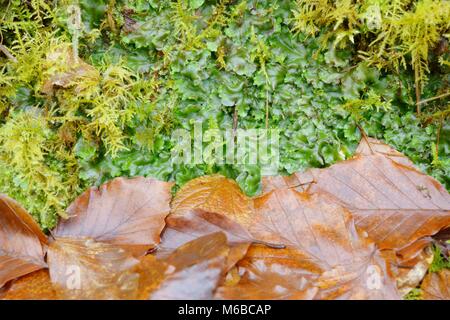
(270, 245)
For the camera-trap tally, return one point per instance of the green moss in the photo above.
(33, 169)
(388, 34)
(439, 261)
(414, 294)
(147, 68)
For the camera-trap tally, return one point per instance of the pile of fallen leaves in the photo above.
(360, 229)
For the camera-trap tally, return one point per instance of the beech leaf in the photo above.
(389, 198)
(326, 257)
(192, 271)
(125, 212)
(436, 285)
(85, 269)
(190, 225)
(21, 242)
(206, 205)
(33, 286)
(214, 193)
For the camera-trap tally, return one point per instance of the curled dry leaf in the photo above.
(207, 205)
(33, 286)
(389, 198)
(410, 276)
(436, 285)
(326, 257)
(84, 269)
(124, 212)
(217, 194)
(190, 225)
(193, 271)
(21, 242)
(64, 70)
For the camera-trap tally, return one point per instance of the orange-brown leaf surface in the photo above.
(436, 285)
(182, 227)
(21, 242)
(33, 286)
(325, 258)
(85, 269)
(206, 205)
(217, 194)
(90, 270)
(192, 271)
(125, 212)
(409, 275)
(388, 197)
(152, 272)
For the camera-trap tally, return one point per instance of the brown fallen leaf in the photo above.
(272, 274)
(190, 225)
(152, 272)
(411, 273)
(33, 286)
(389, 198)
(192, 271)
(216, 194)
(21, 242)
(369, 146)
(64, 71)
(206, 205)
(326, 257)
(92, 253)
(436, 285)
(124, 212)
(3, 291)
(84, 269)
(90, 270)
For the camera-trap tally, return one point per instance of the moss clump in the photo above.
(389, 34)
(87, 98)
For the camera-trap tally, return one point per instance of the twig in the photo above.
(418, 90)
(438, 137)
(435, 98)
(364, 136)
(7, 53)
(235, 121)
(267, 109)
